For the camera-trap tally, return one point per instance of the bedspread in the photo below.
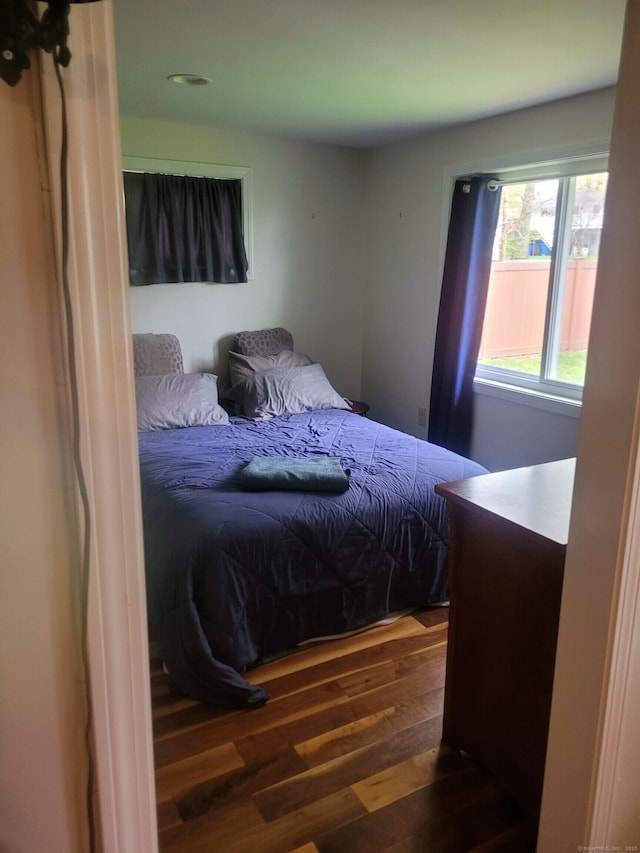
(235, 576)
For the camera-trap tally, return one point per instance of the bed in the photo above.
(240, 569)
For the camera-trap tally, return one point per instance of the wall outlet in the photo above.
(422, 417)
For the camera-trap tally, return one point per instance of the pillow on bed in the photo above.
(156, 354)
(178, 400)
(241, 366)
(263, 341)
(284, 391)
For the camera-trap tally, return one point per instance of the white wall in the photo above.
(409, 186)
(508, 434)
(308, 233)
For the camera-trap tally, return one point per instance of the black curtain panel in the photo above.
(467, 266)
(184, 228)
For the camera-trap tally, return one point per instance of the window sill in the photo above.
(528, 397)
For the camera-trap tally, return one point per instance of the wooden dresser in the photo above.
(508, 540)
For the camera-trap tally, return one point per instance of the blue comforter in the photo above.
(236, 576)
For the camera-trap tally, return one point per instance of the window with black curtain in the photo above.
(184, 228)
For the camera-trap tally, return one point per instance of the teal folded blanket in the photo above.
(317, 474)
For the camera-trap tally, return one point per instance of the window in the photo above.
(207, 170)
(184, 228)
(545, 257)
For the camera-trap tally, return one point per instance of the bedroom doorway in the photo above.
(124, 732)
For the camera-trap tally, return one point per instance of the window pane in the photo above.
(569, 349)
(514, 323)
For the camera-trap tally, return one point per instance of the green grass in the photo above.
(571, 365)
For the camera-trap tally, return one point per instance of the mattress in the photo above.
(235, 576)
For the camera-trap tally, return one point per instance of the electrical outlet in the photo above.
(422, 417)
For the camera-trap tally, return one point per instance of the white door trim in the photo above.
(621, 703)
(98, 281)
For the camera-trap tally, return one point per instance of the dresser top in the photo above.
(536, 498)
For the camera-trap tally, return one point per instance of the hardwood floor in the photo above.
(345, 757)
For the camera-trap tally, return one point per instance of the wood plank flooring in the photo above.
(345, 757)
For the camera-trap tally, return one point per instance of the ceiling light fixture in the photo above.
(189, 79)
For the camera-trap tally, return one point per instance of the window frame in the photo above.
(557, 395)
(207, 170)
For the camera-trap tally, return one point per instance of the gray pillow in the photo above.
(285, 390)
(241, 366)
(178, 400)
(156, 354)
(263, 341)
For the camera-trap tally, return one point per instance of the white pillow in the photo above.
(178, 400)
(241, 366)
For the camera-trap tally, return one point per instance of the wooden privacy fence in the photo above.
(516, 307)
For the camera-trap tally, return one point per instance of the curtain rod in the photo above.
(176, 174)
(179, 175)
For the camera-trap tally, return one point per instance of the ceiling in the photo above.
(359, 72)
